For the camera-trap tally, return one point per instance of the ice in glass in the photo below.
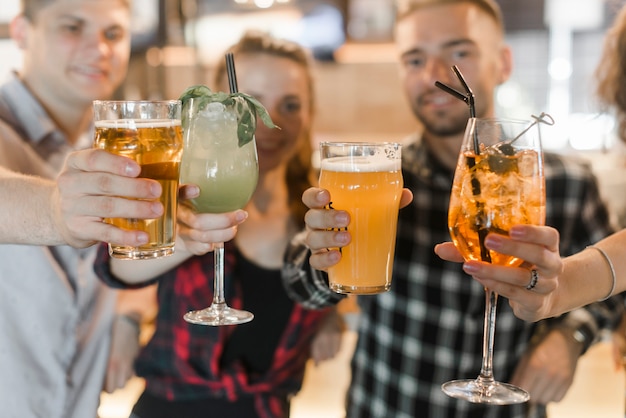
(226, 172)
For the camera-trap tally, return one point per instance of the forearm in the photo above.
(587, 276)
(26, 210)
(304, 284)
(139, 271)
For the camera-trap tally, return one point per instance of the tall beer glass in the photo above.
(498, 183)
(364, 179)
(150, 133)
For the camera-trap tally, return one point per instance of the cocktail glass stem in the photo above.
(485, 389)
(218, 282)
(219, 313)
(486, 370)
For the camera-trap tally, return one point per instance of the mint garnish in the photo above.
(246, 125)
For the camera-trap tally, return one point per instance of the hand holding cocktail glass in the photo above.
(220, 157)
(498, 183)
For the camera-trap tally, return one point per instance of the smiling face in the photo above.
(433, 39)
(282, 86)
(75, 51)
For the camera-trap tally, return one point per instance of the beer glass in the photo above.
(227, 173)
(364, 179)
(498, 183)
(150, 133)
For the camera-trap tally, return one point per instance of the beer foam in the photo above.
(369, 164)
(136, 123)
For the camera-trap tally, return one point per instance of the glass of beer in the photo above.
(150, 133)
(364, 179)
(498, 183)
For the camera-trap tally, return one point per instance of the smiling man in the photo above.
(55, 316)
(428, 328)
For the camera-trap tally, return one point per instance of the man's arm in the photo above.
(92, 185)
(303, 283)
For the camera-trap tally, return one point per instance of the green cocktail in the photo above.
(219, 155)
(226, 171)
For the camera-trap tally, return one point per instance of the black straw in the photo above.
(468, 90)
(230, 70)
(468, 98)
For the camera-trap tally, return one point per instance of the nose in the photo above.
(437, 69)
(98, 42)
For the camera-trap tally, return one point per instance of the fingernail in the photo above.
(157, 208)
(241, 215)
(493, 241)
(342, 219)
(142, 238)
(321, 197)
(193, 190)
(517, 232)
(470, 268)
(155, 189)
(342, 237)
(132, 169)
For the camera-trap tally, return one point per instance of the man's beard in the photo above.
(443, 124)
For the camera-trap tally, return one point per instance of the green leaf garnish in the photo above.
(246, 125)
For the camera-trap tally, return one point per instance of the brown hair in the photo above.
(611, 72)
(299, 169)
(406, 7)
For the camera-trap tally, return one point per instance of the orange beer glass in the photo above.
(364, 179)
(150, 133)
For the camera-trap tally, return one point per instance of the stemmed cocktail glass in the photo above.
(498, 183)
(220, 157)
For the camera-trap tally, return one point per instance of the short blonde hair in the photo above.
(406, 7)
(29, 8)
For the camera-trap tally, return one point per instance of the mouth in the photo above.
(89, 71)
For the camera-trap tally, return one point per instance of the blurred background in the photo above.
(176, 43)
(556, 45)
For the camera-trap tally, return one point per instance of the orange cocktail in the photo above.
(501, 187)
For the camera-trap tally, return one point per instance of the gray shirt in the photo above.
(55, 316)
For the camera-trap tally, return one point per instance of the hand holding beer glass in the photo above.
(364, 179)
(150, 133)
(498, 183)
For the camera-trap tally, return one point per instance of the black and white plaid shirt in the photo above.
(428, 328)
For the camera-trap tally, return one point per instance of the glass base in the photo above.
(490, 392)
(358, 290)
(217, 315)
(138, 253)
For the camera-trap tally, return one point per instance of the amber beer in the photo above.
(365, 180)
(156, 144)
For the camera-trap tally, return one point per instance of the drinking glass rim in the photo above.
(501, 119)
(169, 101)
(358, 143)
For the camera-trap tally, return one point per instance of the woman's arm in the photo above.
(563, 284)
(196, 235)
